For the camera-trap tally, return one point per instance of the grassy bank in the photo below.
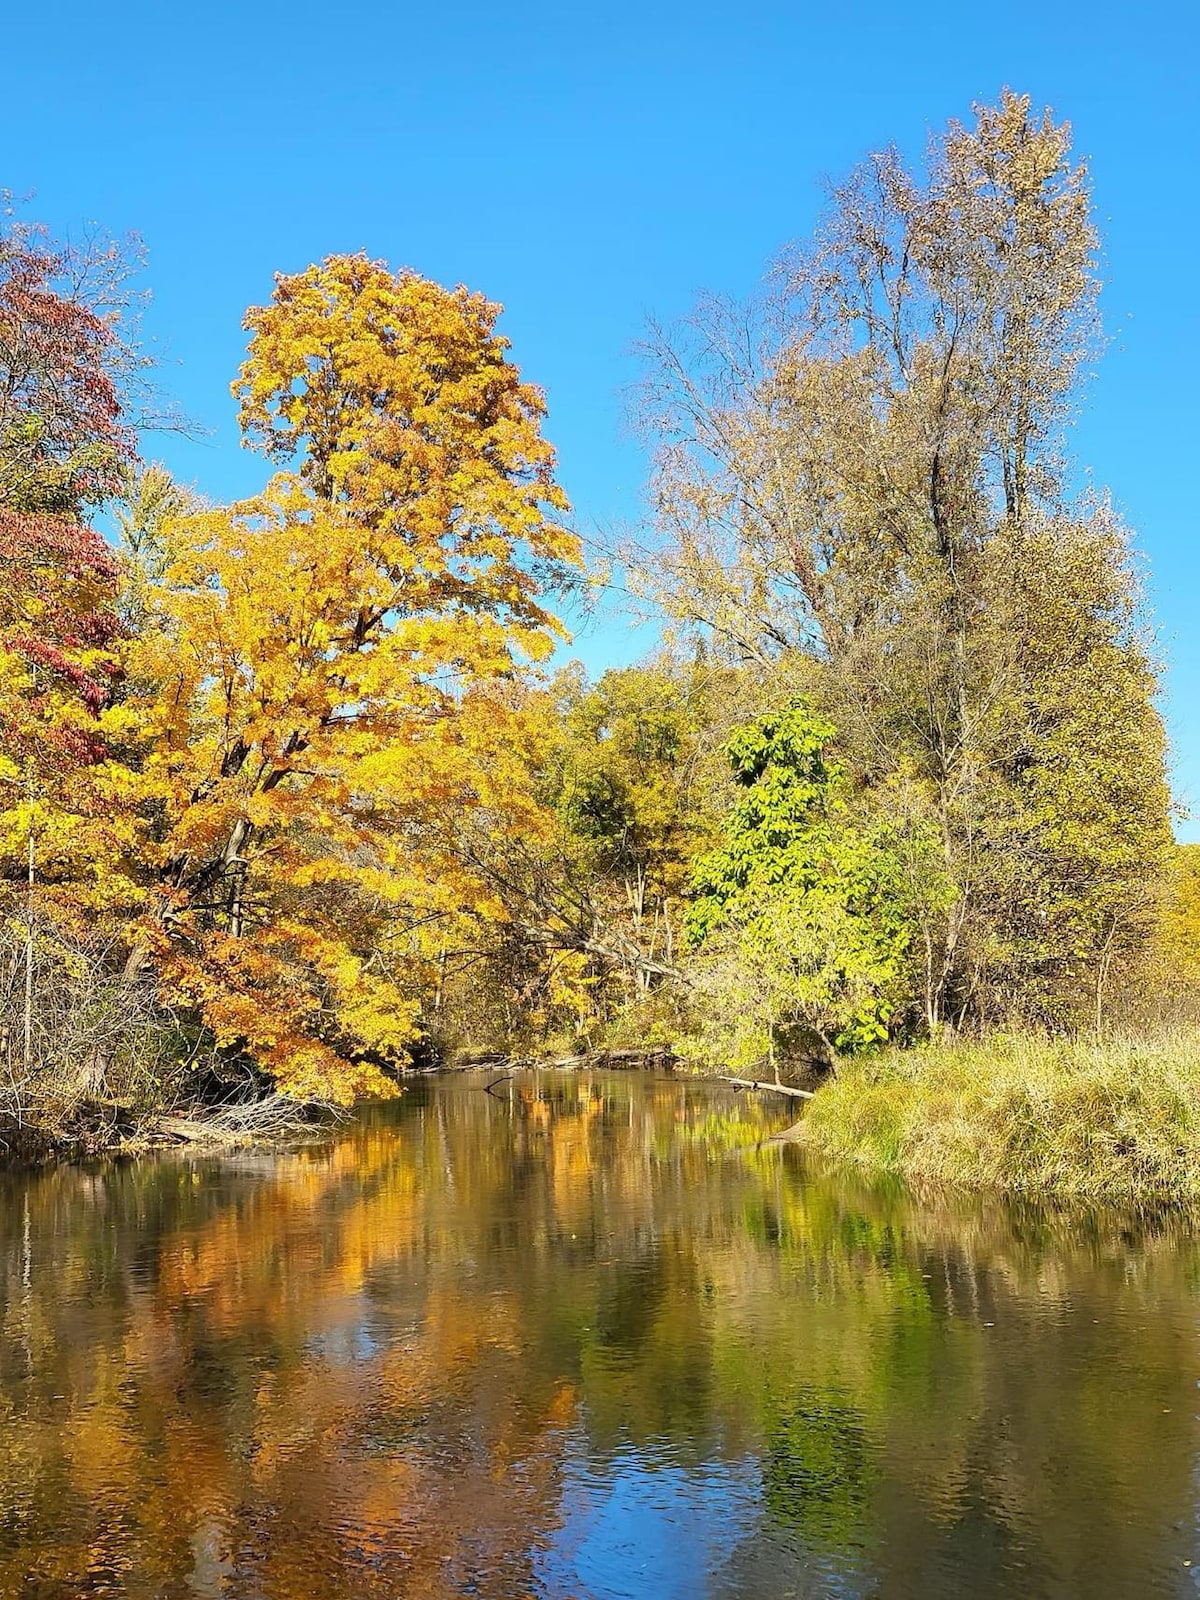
(1116, 1120)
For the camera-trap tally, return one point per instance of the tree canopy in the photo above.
(297, 790)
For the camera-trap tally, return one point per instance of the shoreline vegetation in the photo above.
(1114, 1120)
(299, 796)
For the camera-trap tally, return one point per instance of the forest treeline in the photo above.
(294, 795)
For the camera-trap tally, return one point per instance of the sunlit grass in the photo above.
(1117, 1119)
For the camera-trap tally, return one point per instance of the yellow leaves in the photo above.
(327, 679)
(398, 399)
(261, 997)
(322, 695)
(1179, 931)
(570, 986)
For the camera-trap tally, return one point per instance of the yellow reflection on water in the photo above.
(430, 1359)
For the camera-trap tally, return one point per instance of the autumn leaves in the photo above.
(310, 689)
(325, 680)
(291, 769)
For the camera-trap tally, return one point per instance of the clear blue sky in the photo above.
(589, 166)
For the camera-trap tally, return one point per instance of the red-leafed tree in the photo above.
(58, 629)
(65, 364)
(65, 446)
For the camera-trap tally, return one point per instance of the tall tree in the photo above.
(327, 671)
(856, 479)
(66, 361)
(66, 358)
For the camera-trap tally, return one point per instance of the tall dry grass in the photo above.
(1116, 1119)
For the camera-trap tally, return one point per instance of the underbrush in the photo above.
(89, 1063)
(1116, 1119)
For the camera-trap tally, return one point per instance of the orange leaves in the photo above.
(271, 998)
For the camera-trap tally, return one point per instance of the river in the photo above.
(584, 1336)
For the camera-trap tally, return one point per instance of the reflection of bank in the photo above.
(592, 1339)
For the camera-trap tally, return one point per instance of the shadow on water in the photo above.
(588, 1337)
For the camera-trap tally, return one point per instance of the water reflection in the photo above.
(588, 1338)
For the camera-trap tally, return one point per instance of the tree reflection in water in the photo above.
(588, 1338)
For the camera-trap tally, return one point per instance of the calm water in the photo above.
(584, 1339)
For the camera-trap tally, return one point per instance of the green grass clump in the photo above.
(1112, 1120)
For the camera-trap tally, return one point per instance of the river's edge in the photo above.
(1113, 1122)
(1081, 1121)
(100, 1130)
(87, 1139)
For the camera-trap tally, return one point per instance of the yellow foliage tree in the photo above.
(1178, 950)
(327, 674)
(399, 401)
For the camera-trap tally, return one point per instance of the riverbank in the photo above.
(69, 1129)
(1116, 1120)
(86, 1129)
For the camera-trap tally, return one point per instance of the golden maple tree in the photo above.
(326, 677)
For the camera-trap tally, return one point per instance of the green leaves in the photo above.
(816, 903)
(779, 836)
(792, 740)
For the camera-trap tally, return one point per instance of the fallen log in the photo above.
(470, 1060)
(777, 1088)
(612, 1060)
(193, 1130)
(654, 1057)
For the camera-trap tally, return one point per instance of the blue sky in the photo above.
(591, 166)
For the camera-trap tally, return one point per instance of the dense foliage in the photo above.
(816, 906)
(291, 794)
